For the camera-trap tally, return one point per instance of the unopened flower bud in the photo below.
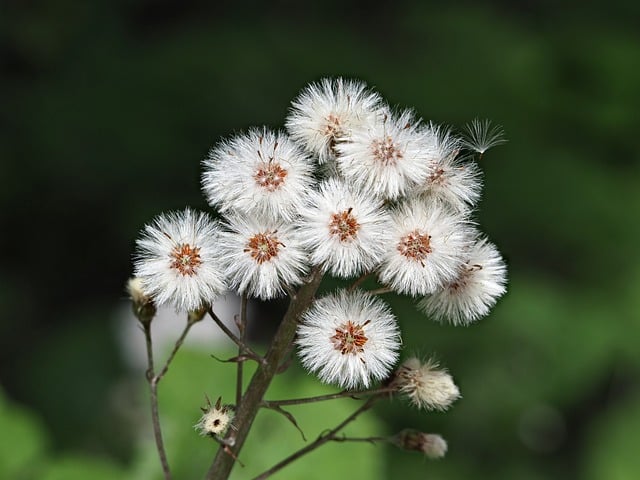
(426, 385)
(142, 304)
(432, 445)
(195, 316)
(216, 419)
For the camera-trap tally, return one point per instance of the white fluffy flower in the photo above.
(260, 173)
(178, 261)
(349, 339)
(216, 419)
(426, 248)
(345, 230)
(451, 179)
(481, 280)
(326, 111)
(426, 385)
(388, 157)
(261, 257)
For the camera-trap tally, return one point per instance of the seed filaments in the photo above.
(385, 151)
(415, 246)
(185, 259)
(350, 338)
(263, 247)
(270, 176)
(344, 225)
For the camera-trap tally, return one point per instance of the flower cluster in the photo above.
(353, 187)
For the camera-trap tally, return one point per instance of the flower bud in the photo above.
(143, 306)
(426, 385)
(432, 445)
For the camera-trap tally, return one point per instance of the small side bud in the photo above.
(426, 385)
(431, 444)
(194, 316)
(216, 419)
(143, 306)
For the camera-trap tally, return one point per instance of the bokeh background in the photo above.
(108, 107)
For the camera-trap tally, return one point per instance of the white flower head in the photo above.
(349, 339)
(388, 157)
(261, 258)
(481, 135)
(426, 248)
(327, 111)
(261, 173)
(481, 280)
(426, 385)
(451, 179)
(345, 230)
(216, 419)
(177, 260)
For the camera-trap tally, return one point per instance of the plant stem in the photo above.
(247, 350)
(321, 398)
(248, 408)
(358, 281)
(176, 347)
(153, 387)
(372, 440)
(242, 327)
(321, 440)
(379, 291)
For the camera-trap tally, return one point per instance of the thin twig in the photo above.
(330, 396)
(176, 347)
(372, 440)
(247, 350)
(321, 440)
(378, 291)
(358, 281)
(242, 327)
(155, 416)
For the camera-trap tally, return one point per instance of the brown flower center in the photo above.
(437, 177)
(332, 130)
(344, 225)
(350, 338)
(386, 151)
(463, 277)
(415, 246)
(270, 176)
(185, 259)
(263, 247)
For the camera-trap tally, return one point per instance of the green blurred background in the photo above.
(108, 107)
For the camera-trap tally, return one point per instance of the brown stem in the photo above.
(379, 291)
(155, 416)
(330, 396)
(358, 281)
(247, 350)
(242, 327)
(176, 347)
(361, 439)
(248, 409)
(321, 440)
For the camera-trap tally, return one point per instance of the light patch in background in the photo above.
(167, 326)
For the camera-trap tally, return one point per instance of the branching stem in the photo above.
(254, 394)
(153, 379)
(321, 440)
(330, 396)
(247, 350)
(242, 328)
